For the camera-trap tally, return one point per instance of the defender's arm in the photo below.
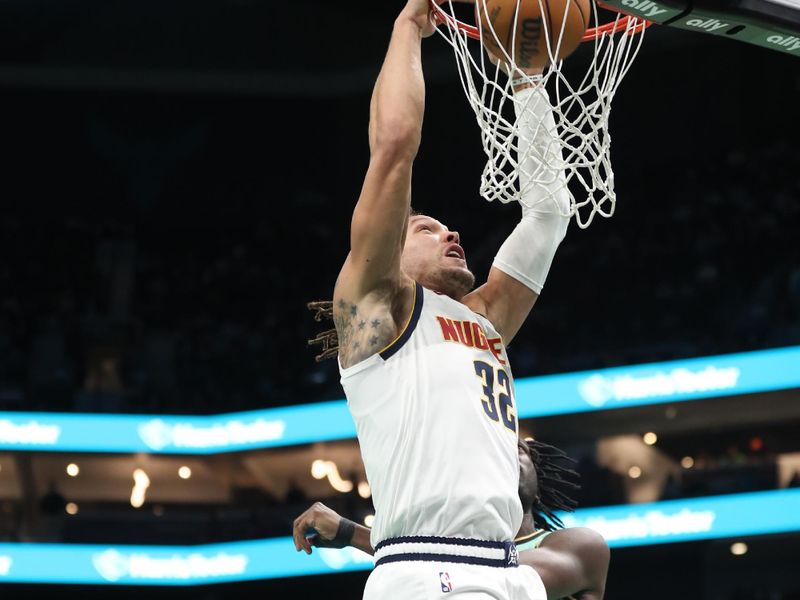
(321, 526)
(521, 266)
(571, 562)
(371, 287)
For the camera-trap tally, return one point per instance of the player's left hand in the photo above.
(317, 526)
(419, 11)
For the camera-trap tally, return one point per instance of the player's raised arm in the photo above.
(372, 294)
(523, 262)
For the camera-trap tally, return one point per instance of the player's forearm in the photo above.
(542, 178)
(528, 252)
(398, 100)
(361, 539)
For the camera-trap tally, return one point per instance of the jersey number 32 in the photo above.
(501, 407)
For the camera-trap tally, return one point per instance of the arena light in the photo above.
(327, 468)
(140, 484)
(71, 508)
(319, 469)
(184, 472)
(635, 472)
(739, 548)
(687, 462)
(369, 520)
(337, 482)
(73, 470)
(649, 438)
(364, 490)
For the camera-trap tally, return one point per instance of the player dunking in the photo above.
(423, 361)
(572, 563)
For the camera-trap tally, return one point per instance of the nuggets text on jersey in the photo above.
(472, 335)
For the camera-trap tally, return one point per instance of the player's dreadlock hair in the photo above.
(557, 479)
(329, 340)
(323, 309)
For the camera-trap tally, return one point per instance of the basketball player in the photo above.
(571, 562)
(423, 361)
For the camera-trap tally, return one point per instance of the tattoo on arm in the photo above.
(356, 340)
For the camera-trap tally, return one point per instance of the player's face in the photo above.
(528, 481)
(433, 256)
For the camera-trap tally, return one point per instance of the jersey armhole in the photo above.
(394, 346)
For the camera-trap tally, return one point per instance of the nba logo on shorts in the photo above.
(444, 579)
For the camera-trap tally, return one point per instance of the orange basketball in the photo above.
(530, 36)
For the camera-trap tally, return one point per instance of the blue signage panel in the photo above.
(620, 387)
(629, 525)
(160, 434)
(654, 383)
(169, 565)
(692, 519)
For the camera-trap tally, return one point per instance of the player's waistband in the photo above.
(443, 549)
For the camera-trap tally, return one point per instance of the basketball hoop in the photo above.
(574, 152)
(442, 18)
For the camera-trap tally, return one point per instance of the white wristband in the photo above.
(529, 251)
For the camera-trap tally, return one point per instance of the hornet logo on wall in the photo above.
(111, 565)
(156, 434)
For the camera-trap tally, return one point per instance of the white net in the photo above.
(575, 153)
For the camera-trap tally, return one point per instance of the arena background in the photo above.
(178, 181)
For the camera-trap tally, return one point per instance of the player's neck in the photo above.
(527, 527)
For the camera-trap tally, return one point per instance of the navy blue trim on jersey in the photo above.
(432, 539)
(390, 350)
(510, 554)
(500, 563)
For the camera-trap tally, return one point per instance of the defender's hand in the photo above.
(316, 527)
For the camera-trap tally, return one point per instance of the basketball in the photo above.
(533, 29)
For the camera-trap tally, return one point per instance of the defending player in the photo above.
(423, 361)
(571, 562)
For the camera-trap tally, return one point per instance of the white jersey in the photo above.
(437, 426)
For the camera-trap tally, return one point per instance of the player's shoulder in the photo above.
(582, 541)
(367, 321)
(584, 547)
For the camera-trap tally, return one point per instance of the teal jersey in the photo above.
(529, 542)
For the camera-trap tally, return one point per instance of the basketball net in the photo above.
(575, 153)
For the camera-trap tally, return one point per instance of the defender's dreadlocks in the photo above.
(557, 480)
(323, 309)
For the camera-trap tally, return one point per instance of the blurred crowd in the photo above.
(102, 314)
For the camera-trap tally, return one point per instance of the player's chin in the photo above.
(458, 280)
